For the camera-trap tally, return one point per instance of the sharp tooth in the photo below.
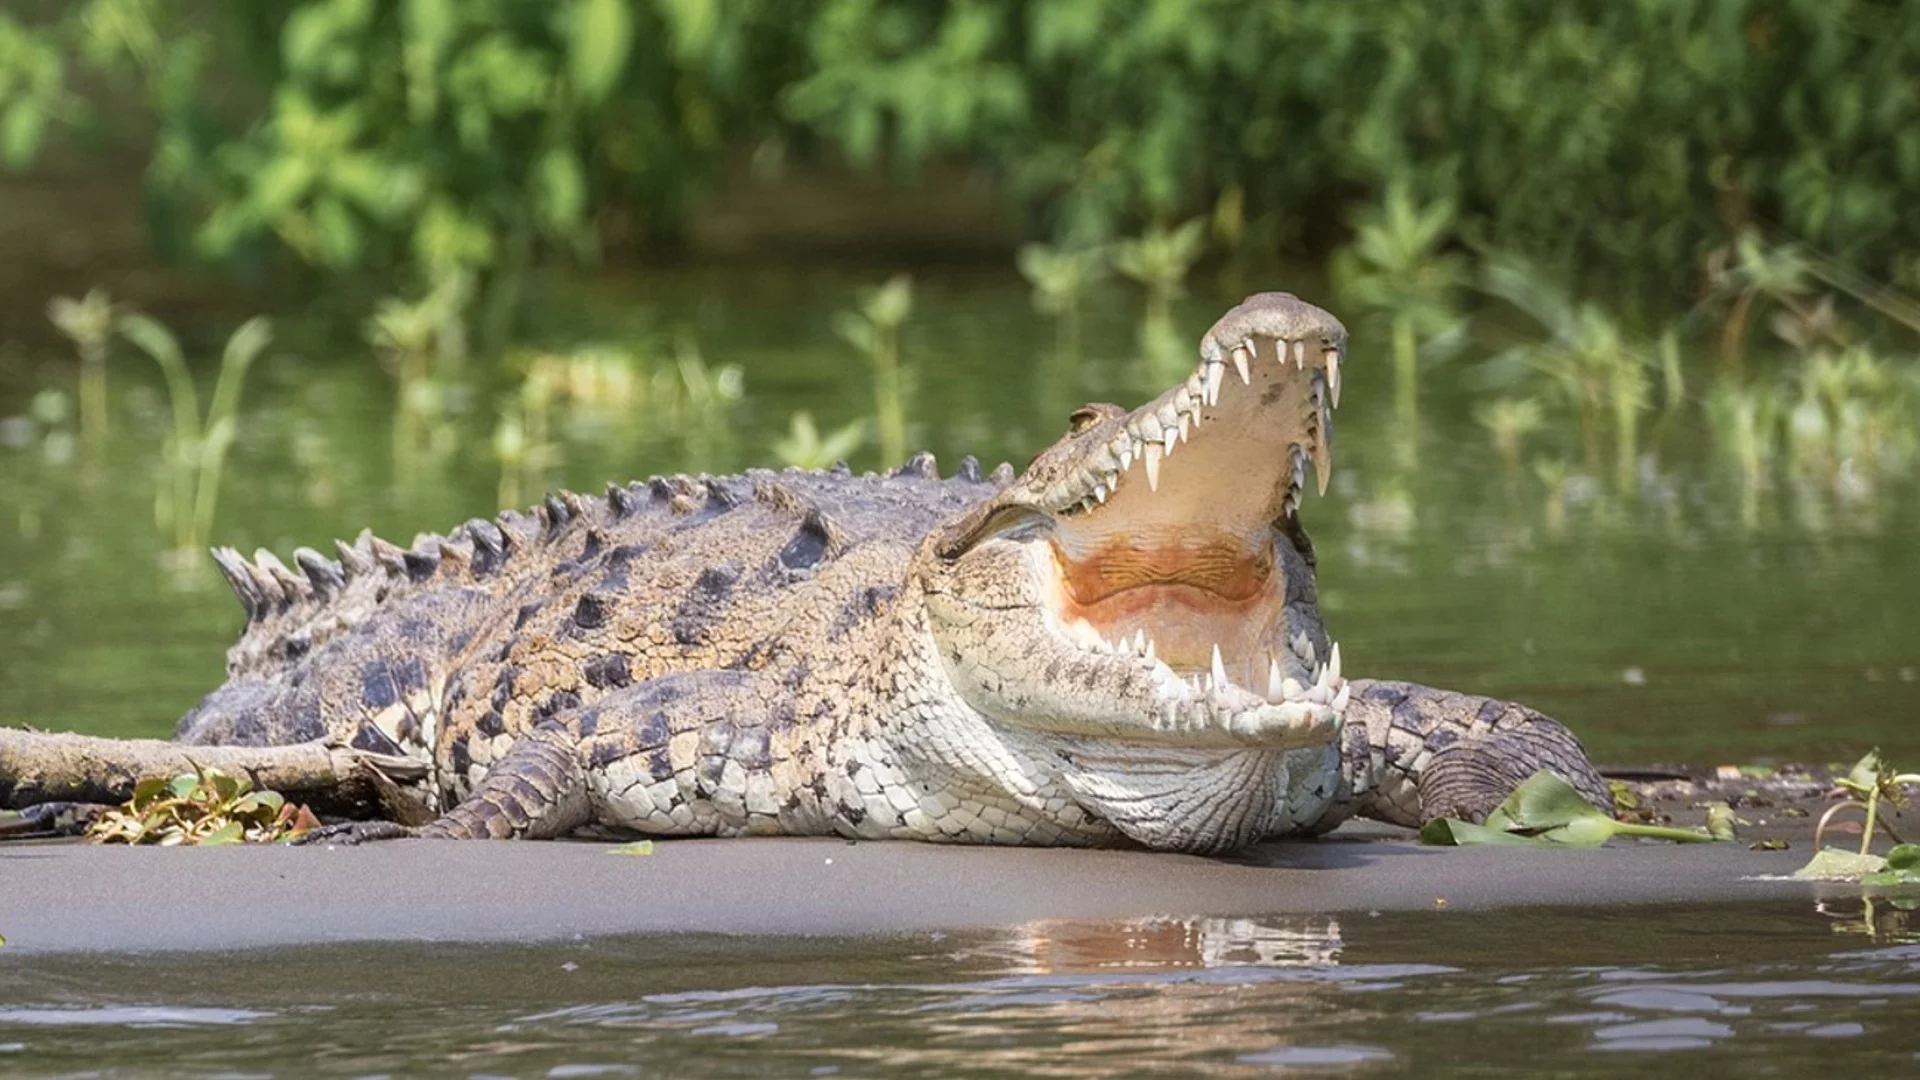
(1291, 689)
(1211, 389)
(1100, 492)
(1322, 460)
(1139, 641)
(1152, 455)
(1171, 436)
(1186, 425)
(1333, 664)
(1126, 457)
(1341, 699)
(1299, 458)
(1300, 354)
(1333, 374)
(1276, 683)
(1240, 358)
(1219, 669)
(1149, 652)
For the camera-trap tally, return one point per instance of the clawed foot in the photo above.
(356, 832)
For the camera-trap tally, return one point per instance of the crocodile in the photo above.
(1120, 644)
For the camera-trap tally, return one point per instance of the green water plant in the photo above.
(1061, 278)
(1870, 784)
(1547, 811)
(1603, 374)
(804, 447)
(196, 448)
(1160, 260)
(1398, 270)
(873, 328)
(88, 323)
(1508, 421)
(205, 807)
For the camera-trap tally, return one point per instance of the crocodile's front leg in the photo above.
(1411, 753)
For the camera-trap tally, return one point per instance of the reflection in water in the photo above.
(1741, 989)
(1062, 947)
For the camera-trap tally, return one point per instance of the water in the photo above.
(1744, 989)
(1666, 624)
(1657, 623)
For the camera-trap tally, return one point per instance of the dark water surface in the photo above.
(1762, 990)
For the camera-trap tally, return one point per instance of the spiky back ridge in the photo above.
(293, 614)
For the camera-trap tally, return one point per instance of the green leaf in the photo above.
(563, 190)
(184, 785)
(20, 131)
(1837, 864)
(1452, 832)
(638, 847)
(152, 338)
(231, 833)
(600, 35)
(1720, 821)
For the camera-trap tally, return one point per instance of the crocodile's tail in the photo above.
(290, 614)
(431, 597)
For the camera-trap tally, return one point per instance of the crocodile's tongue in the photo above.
(1182, 546)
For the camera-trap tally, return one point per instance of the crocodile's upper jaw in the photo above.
(1151, 563)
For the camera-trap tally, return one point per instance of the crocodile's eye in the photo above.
(1087, 416)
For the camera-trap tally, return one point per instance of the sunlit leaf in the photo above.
(230, 833)
(638, 847)
(1837, 864)
(600, 34)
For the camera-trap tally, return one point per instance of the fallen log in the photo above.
(42, 767)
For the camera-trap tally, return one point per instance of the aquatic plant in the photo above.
(1061, 278)
(415, 340)
(804, 447)
(88, 323)
(873, 328)
(1508, 422)
(196, 449)
(1546, 810)
(1398, 271)
(205, 807)
(1745, 421)
(1601, 373)
(1160, 259)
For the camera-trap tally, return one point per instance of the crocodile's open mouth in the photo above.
(1177, 553)
(1159, 556)
(1177, 549)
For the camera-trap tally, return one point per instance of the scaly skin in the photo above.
(1121, 644)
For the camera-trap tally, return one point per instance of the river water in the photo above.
(1680, 621)
(1742, 989)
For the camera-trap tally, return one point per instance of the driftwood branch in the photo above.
(40, 767)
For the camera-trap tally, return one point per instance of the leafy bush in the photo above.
(1623, 137)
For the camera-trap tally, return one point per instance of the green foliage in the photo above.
(1398, 272)
(1061, 279)
(88, 323)
(873, 328)
(804, 447)
(442, 135)
(196, 451)
(204, 807)
(1545, 810)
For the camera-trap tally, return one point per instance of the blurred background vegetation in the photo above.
(1624, 275)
